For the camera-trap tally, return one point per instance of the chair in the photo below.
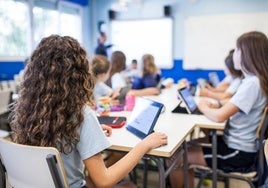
(266, 151)
(254, 178)
(32, 166)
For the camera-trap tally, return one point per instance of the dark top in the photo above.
(101, 50)
(146, 81)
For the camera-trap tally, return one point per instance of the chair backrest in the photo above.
(5, 99)
(32, 166)
(262, 134)
(266, 152)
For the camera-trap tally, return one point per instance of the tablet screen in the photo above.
(144, 116)
(188, 99)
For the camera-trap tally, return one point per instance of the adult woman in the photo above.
(54, 110)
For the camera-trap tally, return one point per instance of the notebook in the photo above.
(144, 117)
(113, 121)
(188, 99)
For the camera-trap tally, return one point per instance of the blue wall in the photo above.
(8, 69)
(177, 73)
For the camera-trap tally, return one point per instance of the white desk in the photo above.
(173, 125)
(176, 126)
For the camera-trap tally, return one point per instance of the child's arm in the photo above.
(101, 176)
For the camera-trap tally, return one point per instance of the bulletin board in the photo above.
(208, 39)
(138, 37)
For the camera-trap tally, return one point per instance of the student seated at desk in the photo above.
(219, 92)
(100, 67)
(236, 148)
(54, 110)
(150, 74)
(118, 78)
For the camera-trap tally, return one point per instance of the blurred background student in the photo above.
(225, 89)
(100, 67)
(150, 74)
(132, 71)
(118, 77)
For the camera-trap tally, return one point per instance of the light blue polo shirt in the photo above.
(92, 141)
(240, 132)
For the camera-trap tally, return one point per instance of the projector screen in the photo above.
(138, 37)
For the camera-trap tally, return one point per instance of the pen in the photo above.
(115, 119)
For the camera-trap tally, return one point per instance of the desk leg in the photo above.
(161, 170)
(163, 173)
(214, 158)
(185, 165)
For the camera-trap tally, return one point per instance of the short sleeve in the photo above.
(247, 94)
(118, 81)
(92, 137)
(234, 86)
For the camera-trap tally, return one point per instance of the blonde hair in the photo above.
(149, 66)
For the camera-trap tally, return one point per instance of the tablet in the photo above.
(188, 99)
(144, 117)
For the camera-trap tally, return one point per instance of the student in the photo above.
(100, 67)
(118, 78)
(235, 81)
(236, 147)
(133, 72)
(118, 65)
(150, 74)
(54, 110)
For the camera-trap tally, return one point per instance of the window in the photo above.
(14, 28)
(19, 36)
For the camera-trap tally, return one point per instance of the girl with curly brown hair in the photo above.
(54, 110)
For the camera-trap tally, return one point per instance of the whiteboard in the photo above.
(208, 39)
(138, 37)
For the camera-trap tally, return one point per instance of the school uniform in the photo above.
(237, 149)
(92, 141)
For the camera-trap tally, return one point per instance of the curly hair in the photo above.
(57, 85)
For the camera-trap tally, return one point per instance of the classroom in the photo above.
(191, 43)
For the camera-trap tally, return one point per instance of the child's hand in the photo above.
(107, 129)
(155, 140)
(115, 93)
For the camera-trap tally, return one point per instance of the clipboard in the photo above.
(113, 121)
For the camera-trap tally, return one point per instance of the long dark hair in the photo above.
(57, 85)
(230, 65)
(254, 56)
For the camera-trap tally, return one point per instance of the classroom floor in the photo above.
(153, 181)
